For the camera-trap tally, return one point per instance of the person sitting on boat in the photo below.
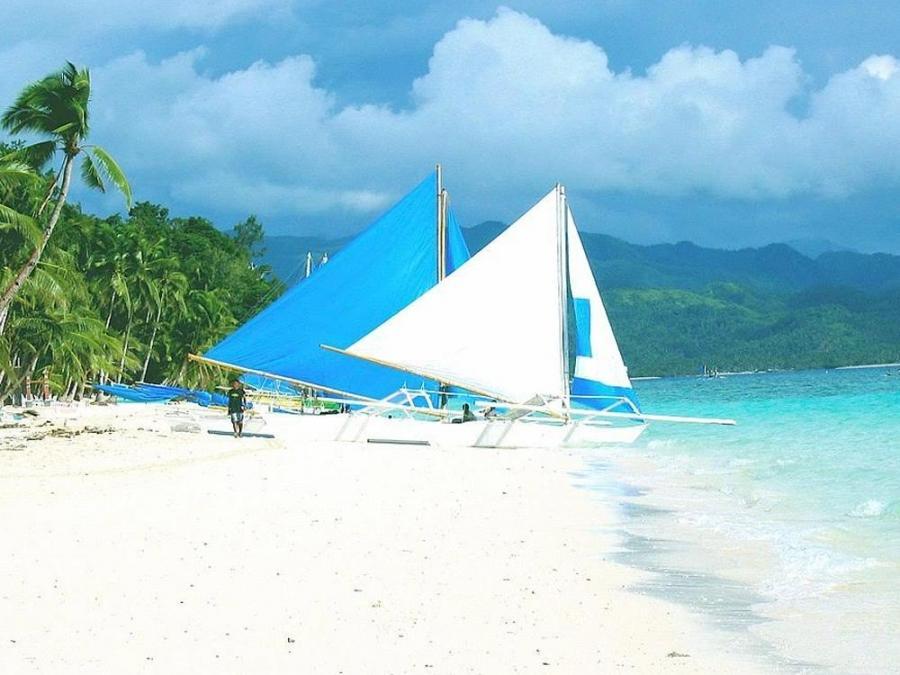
(467, 414)
(491, 411)
(237, 402)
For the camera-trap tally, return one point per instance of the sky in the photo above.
(725, 123)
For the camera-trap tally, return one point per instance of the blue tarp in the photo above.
(206, 399)
(380, 272)
(163, 388)
(145, 395)
(145, 392)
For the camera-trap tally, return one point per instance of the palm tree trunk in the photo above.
(112, 302)
(12, 290)
(152, 340)
(181, 371)
(125, 349)
(13, 385)
(50, 191)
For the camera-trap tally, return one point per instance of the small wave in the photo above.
(810, 571)
(871, 508)
(742, 461)
(661, 444)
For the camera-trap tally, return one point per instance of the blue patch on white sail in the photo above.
(583, 327)
(601, 396)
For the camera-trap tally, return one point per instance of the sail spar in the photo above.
(507, 319)
(375, 276)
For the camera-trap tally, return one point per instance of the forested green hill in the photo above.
(678, 307)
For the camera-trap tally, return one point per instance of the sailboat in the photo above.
(524, 331)
(397, 258)
(519, 332)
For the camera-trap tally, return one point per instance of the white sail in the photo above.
(598, 358)
(494, 325)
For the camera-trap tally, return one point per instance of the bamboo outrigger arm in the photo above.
(283, 378)
(501, 400)
(638, 416)
(570, 412)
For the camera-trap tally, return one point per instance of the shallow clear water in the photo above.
(797, 507)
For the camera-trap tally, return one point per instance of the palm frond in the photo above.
(38, 154)
(13, 170)
(90, 174)
(25, 226)
(112, 171)
(44, 290)
(53, 106)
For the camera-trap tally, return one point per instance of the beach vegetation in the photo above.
(56, 111)
(122, 298)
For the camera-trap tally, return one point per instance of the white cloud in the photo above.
(510, 108)
(882, 67)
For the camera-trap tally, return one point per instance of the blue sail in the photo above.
(387, 266)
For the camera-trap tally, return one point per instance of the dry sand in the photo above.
(145, 550)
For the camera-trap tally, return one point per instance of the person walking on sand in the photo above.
(28, 394)
(46, 394)
(237, 402)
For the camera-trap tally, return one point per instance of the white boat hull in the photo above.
(364, 428)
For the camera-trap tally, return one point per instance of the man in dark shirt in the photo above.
(237, 401)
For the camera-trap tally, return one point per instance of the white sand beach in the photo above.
(132, 548)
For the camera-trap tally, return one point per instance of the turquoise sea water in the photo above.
(788, 524)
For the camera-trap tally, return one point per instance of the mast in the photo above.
(562, 233)
(441, 220)
(309, 264)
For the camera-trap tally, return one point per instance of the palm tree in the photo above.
(53, 313)
(172, 289)
(14, 172)
(56, 109)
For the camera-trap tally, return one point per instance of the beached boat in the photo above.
(400, 256)
(522, 330)
(518, 334)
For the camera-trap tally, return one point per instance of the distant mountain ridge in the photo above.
(619, 264)
(778, 267)
(813, 247)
